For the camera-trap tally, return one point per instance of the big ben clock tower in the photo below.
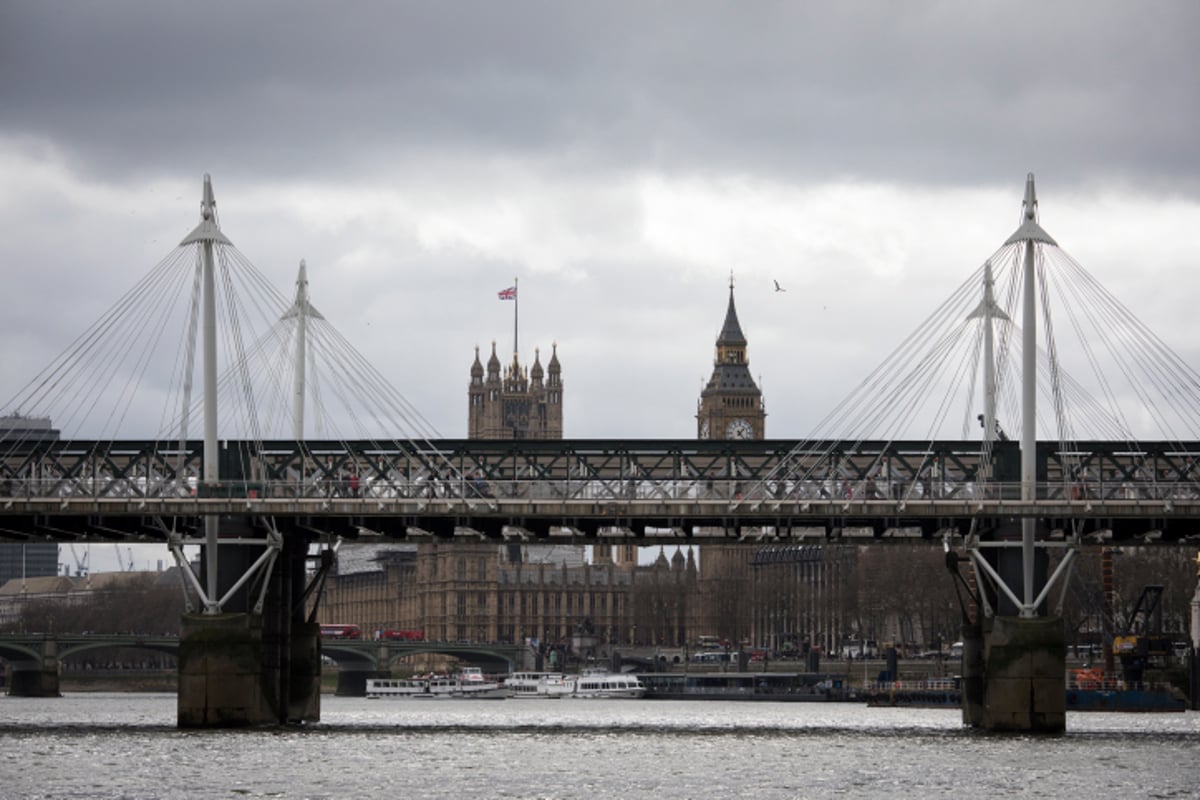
(731, 405)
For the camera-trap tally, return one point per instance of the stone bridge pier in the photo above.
(352, 680)
(1014, 672)
(354, 670)
(35, 676)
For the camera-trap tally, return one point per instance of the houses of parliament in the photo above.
(513, 593)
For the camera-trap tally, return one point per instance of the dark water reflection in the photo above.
(127, 746)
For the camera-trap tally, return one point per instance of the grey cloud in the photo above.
(932, 92)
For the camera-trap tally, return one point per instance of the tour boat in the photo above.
(544, 685)
(469, 684)
(766, 686)
(395, 687)
(600, 684)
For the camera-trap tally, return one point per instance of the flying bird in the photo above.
(779, 288)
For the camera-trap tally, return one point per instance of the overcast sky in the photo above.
(622, 159)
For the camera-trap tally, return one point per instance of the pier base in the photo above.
(242, 668)
(1024, 675)
(227, 678)
(221, 680)
(35, 677)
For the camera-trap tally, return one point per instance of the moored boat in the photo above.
(541, 685)
(760, 686)
(930, 693)
(1155, 699)
(396, 688)
(594, 684)
(1090, 690)
(470, 684)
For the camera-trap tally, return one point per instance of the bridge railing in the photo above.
(617, 490)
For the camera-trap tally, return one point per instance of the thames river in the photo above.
(127, 746)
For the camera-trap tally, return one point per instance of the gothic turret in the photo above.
(661, 562)
(493, 366)
(555, 371)
(515, 402)
(477, 369)
(536, 372)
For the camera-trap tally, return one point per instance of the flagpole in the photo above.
(516, 300)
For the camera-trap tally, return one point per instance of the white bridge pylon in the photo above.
(255, 383)
(963, 359)
(206, 237)
(1032, 237)
(301, 311)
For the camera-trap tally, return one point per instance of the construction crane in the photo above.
(81, 564)
(126, 566)
(1143, 639)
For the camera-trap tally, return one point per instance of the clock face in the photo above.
(704, 433)
(739, 429)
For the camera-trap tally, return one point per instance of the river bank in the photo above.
(120, 681)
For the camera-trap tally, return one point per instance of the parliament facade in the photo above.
(784, 597)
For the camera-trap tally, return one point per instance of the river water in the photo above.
(127, 746)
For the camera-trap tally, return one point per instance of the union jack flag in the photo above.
(508, 294)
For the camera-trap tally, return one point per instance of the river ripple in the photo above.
(127, 746)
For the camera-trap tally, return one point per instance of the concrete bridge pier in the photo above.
(1024, 684)
(248, 666)
(221, 677)
(299, 642)
(35, 677)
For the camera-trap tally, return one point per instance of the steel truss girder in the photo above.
(985, 572)
(1094, 467)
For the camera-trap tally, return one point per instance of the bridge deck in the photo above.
(652, 490)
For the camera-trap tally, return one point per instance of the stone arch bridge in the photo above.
(35, 659)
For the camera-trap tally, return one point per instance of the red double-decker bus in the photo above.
(396, 635)
(340, 632)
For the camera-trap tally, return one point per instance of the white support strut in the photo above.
(1029, 234)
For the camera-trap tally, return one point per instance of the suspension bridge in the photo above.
(314, 444)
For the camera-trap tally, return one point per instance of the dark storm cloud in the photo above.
(954, 93)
